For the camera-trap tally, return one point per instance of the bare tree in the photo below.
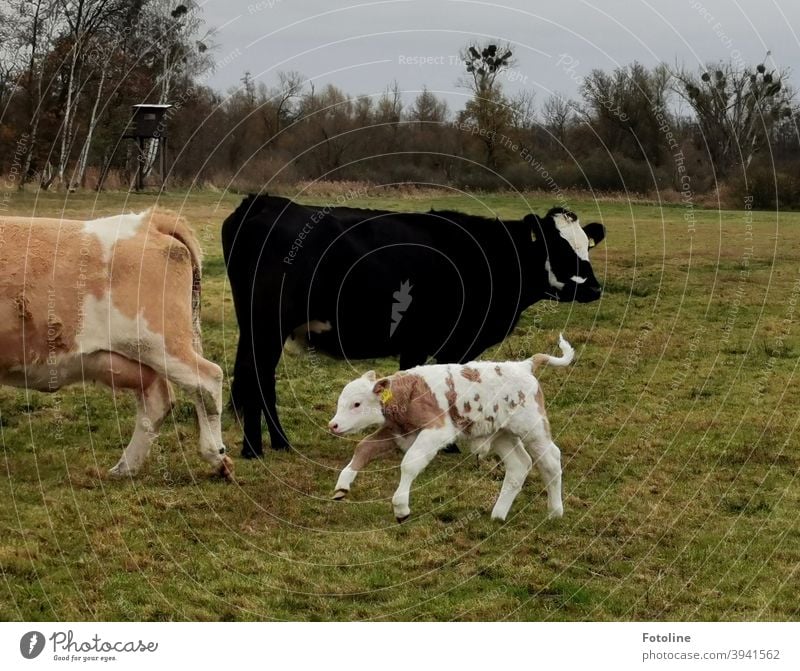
(627, 107)
(488, 109)
(174, 39)
(84, 19)
(428, 108)
(484, 65)
(11, 63)
(285, 97)
(523, 109)
(557, 112)
(388, 113)
(735, 108)
(30, 31)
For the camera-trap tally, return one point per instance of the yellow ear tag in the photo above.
(386, 395)
(591, 243)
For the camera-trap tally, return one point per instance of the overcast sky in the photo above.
(363, 47)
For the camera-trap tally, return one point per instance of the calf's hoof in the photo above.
(339, 494)
(279, 446)
(402, 519)
(250, 453)
(555, 514)
(122, 470)
(225, 469)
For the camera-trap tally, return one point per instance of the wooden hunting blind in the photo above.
(148, 122)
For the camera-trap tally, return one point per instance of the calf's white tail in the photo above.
(566, 358)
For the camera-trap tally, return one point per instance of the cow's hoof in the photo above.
(225, 469)
(452, 448)
(555, 514)
(279, 447)
(250, 453)
(339, 494)
(402, 519)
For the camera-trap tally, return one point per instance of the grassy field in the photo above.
(677, 424)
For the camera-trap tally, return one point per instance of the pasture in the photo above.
(677, 424)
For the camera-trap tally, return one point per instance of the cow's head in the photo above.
(565, 245)
(359, 406)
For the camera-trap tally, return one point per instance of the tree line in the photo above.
(71, 69)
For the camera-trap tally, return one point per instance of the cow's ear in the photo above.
(369, 375)
(595, 232)
(536, 224)
(381, 386)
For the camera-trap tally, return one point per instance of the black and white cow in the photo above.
(367, 283)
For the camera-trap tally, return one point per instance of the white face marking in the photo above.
(110, 230)
(572, 232)
(577, 279)
(551, 277)
(358, 407)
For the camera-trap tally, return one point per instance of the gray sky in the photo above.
(362, 47)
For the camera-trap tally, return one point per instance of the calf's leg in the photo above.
(547, 457)
(372, 447)
(518, 464)
(534, 429)
(416, 459)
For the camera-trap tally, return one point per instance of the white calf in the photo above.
(491, 407)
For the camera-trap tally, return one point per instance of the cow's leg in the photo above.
(153, 403)
(153, 400)
(245, 398)
(267, 365)
(518, 464)
(372, 447)
(202, 379)
(251, 422)
(416, 459)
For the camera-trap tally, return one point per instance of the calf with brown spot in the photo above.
(410, 407)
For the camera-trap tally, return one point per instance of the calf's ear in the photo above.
(595, 232)
(369, 375)
(381, 386)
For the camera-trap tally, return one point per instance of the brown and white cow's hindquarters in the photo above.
(111, 300)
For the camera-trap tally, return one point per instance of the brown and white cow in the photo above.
(491, 407)
(113, 300)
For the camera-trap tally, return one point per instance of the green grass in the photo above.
(677, 425)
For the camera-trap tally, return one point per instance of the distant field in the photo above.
(677, 424)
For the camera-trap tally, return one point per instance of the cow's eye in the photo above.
(356, 405)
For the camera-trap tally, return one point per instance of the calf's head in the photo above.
(564, 244)
(359, 406)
